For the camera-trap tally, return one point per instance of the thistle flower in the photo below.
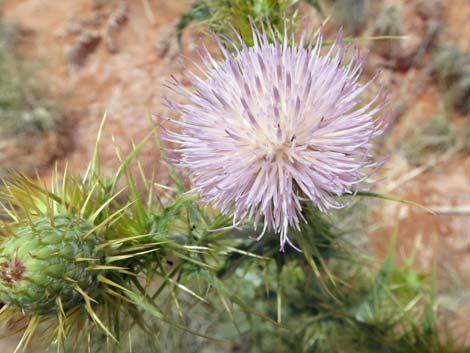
(274, 125)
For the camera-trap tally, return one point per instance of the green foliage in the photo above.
(351, 14)
(23, 106)
(432, 136)
(389, 22)
(459, 93)
(317, 322)
(231, 20)
(451, 68)
(316, 4)
(389, 309)
(221, 16)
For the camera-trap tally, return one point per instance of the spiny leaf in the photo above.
(93, 167)
(149, 306)
(393, 198)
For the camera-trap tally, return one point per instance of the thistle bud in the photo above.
(45, 260)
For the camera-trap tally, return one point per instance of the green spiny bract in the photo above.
(40, 264)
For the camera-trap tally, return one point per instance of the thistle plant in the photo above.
(276, 133)
(88, 260)
(273, 126)
(54, 258)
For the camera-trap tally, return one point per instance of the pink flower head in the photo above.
(275, 125)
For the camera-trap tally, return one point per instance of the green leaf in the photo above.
(393, 198)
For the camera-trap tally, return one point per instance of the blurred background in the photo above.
(63, 64)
